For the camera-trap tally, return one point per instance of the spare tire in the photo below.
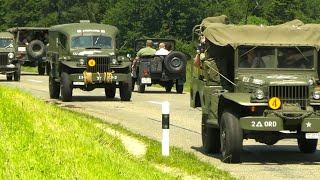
(36, 49)
(175, 62)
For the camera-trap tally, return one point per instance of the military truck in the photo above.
(31, 46)
(256, 82)
(83, 55)
(165, 70)
(9, 65)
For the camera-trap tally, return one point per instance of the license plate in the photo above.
(312, 135)
(22, 49)
(146, 80)
(78, 83)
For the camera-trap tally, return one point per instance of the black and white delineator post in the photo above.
(165, 128)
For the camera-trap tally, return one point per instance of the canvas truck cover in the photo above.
(6, 35)
(293, 33)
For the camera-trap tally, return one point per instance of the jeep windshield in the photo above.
(100, 42)
(6, 42)
(259, 57)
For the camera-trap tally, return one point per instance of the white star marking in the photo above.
(308, 124)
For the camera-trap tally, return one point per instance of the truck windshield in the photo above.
(276, 57)
(102, 42)
(6, 43)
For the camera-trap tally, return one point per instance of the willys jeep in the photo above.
(31, 46)
(9, 65)
(165, 70)
(82, 55)
(257, 82)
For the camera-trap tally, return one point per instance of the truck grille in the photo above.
(102, 65)
(4, 59)
(290, 94)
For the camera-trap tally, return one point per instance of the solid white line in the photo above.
(36, 81)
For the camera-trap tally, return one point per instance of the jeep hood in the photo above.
(88, 52)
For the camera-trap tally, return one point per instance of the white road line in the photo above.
(155, 102)
(36, 81)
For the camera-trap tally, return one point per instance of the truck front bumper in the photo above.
(87, 78)
(272, 122)
(8, 68)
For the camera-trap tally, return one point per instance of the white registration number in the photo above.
(312, 135)
(78, 83)
(146, 80)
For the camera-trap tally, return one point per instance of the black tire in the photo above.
(168, 88)
(141, 88)
(41, 69)
(110, 91)
(17, 73)
(125, 91)
(179, 88)
(231, 137)
(36, 49)
(176, 62)
(66, 87)
(54, 88)
(307, 146)
(9, 77)
(210, 136)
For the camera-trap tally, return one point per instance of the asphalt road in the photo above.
(143, 115)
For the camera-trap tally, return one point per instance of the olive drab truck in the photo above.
(257, 82)
(83, 55)
(9, 64)
(30, 46)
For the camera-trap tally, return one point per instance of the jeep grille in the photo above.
(102, 65)
(290, 94)
(4, 59)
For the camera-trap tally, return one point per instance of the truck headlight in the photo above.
(81, 62)
(316, 95)
(259, 94)
(310, 82)
(114, 61)
(11, 55)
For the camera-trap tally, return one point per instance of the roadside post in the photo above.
(165, 128)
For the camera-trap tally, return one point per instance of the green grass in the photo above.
(29, 69)
(40, 141)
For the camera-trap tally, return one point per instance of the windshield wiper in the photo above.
(301, 53)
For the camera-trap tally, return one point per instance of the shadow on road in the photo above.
(277, 154)
(156, 92)
(92, 98)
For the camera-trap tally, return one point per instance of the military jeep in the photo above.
(165, 70)
(83, 55)
(9, 65)
(31, 46)
(257, 82)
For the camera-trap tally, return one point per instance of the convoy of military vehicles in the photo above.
(251, 82)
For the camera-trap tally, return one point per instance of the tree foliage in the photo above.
(154, 18)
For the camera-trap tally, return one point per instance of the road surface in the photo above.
(143, 116)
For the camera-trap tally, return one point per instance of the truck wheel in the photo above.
(307, 145)
(168, 86)
(231, 138)
(66, 87)
(125, 91)
(9, 77)
(110, 91)
(179, 88)
(141, 88)
(210, 136)
(17, 73)
(54, 88)
(41, 69)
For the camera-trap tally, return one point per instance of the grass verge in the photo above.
(40, 140)
(29, 69)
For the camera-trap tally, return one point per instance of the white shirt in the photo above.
(162, 52)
